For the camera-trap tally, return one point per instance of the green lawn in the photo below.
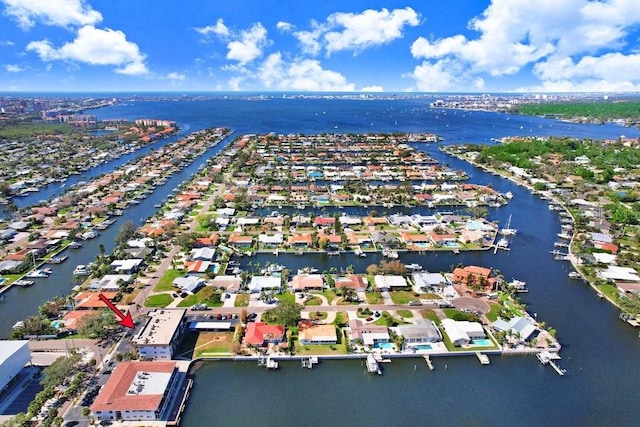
(313, 301)
(166, 281)
(286, 296)
(427, 313)
(382, 321)
(158, 301)
(403, 297)
(405, 313)
(319, 349)
(374, 298)
(213, 344)
(318, 315)
(242, 300)
(342, 318)
(188, 301)
(494, 311)
(329, 295)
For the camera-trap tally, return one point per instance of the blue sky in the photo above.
(299, 45)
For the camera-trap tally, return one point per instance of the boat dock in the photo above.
(308, 362)
(546, 357)
(372, 365)
(267, 362)
(429, 363)
(483, 358)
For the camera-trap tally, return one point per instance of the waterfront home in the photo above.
(321, 221)
(189, 283)
(439, 240)
(389, 282)
(89, 300)
(260, 334)
(619, 274)
(304, 282)
(372, 221)
(270, 241)
(473, 274)
(351, 281)
(110, 282)
(228, 283)
(428, 282)
(300, 240)
(126, 266)
(198, 267)
(521, 327)
(316, 334)
(260, 283)
(210, 241)
(462, 332)
(414, 240)
(367, 334)
(202, 254)
(421, 332)
(471, 236)
(239, 240)
(140, 392)
(161, 334)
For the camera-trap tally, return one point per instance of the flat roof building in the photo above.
(139, 391)
(161, 335)
(14, 355)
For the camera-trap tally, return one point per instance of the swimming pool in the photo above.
(384, 346)
(423, 347)
(482, 343)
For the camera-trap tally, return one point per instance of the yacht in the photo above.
(35, 273)
(413, 267)
(81, 270)
(23, 283)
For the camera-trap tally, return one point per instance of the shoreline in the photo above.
(572, 255)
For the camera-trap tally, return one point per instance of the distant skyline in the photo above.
(293, 45)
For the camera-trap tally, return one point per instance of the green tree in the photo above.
(97, 325)
(59, 370)
(127, 231)
(286, 312)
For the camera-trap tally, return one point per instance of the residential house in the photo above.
(367, 334)
(303, 282)
(522, 327)
(261, 334)
(189, 283)
(420, 332)
(317, 334)
(351, 281)
(126, 266)
(463, 332)
(260, 283)
(389, 282)
(228, 283)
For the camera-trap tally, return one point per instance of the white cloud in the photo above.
(373, 88)
(514, 34)
(357, 31)
(249, 45)
(175, 76)
(285, 26)
(301, 74)
(218, 29)
(369, 28)
(96, 47)
(6, 43)
(12, 68)
(243, 46)
(63, 13)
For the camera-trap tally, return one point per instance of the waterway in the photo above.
(599, 352)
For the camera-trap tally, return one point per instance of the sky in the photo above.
(300, 45)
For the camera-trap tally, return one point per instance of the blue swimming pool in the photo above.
(482, 343)
(424, 347)
(384, 346)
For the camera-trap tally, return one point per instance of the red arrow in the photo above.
(125, 321)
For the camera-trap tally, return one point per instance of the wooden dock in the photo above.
(308, 362)
(429, 363)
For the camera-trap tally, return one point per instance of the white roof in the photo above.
(203, 253)
(604, 258)
(109, 282)
(623, 274)
(455, 333)
(267, 239)
(389, 281)
(126, 264)
(370, 338)
(188, 283)
(518, 324)
(160, 328)
(9, 348)
(259, 283)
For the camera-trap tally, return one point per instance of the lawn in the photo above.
(286, 296)
(494, 311)
(319, 349)
(213, 344)
(374, 298)
(403, 297)
(318, 315)
(427, 313)
(383, 320)
(242, 300)
(405, 313)
(313, 301)
(203, 296)
(329, 295)
(166, 281)
(158, 301)
(342, 318)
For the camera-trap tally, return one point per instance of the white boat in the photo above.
(518, 285)
(57, 259)
(413, 267)
(574, 275)
(507, 230)
(75, 245)
(564, 236)
(508, 195)
(358, 252)
(35, 273)
(503, 243)
(23, 283)
(81, 270)
(372, 365)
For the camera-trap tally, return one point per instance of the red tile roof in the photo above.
(114, 397)
(259, 332)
